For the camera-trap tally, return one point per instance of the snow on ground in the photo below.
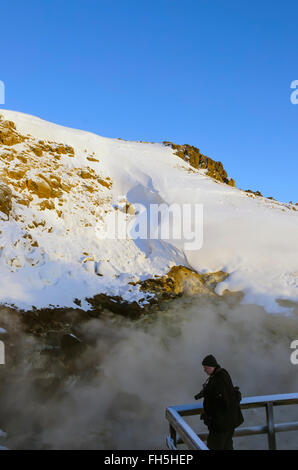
(254, 239)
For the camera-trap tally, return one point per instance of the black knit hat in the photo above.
(210, 361)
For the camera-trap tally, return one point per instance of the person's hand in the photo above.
(199, 395)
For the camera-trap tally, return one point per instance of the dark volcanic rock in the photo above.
(116, 305)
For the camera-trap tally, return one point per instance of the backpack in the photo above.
(238, 418)
(238, 395)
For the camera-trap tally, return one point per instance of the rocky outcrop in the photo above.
(52, 148)
(196, 159)
(35, 174)
(44, 187)
(117, 305)
(181, 280)
(5, 199)
(8, 134)
(40, 187)
(256, 193)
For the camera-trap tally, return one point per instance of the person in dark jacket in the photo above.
(221, 413)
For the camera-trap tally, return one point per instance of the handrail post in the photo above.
(173, 435)
(270, 424)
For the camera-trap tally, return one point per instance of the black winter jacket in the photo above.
(221, 409)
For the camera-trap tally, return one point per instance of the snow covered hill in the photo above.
(60, 186)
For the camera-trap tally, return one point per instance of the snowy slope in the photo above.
(52, 253)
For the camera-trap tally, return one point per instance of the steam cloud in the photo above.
(133, 370)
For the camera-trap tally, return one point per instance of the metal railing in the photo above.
(182, 433)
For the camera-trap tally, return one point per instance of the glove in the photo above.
(199, 395)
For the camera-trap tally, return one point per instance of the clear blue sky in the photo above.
(212, 73)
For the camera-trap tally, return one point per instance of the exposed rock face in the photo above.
(5, 199)
(177, 282)
(130, 209)
(199, 161)
(116, 305)
(52, 148)
(34, 173)
(40, 187)
(8, 134)
(183, 281)
(257, 193)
